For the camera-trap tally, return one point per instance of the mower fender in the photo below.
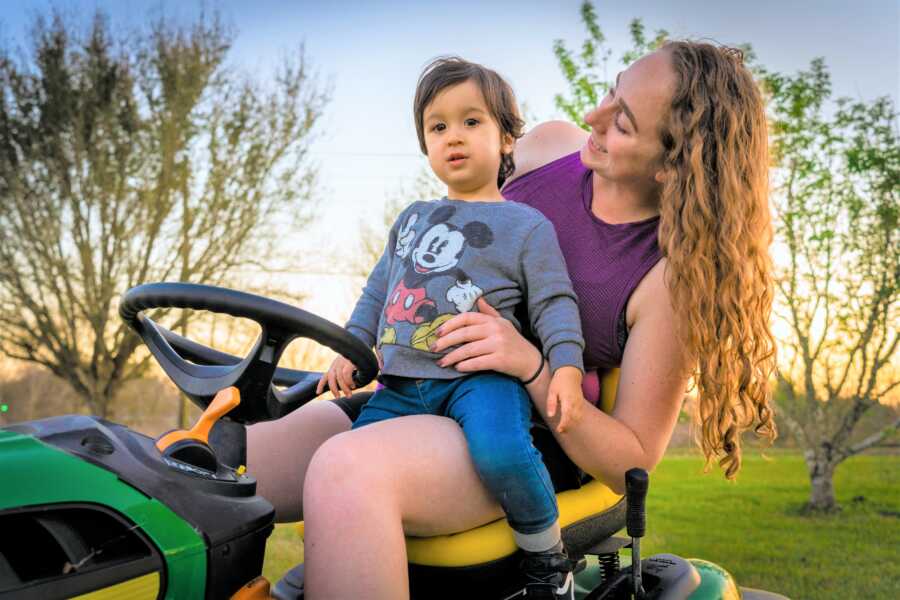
(715, 582)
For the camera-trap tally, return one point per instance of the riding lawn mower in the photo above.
(91, 509)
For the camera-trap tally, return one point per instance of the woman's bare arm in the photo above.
(652, 383)
(545, 143)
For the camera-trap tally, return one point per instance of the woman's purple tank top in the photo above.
(606, 261)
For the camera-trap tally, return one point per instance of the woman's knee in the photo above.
(343, 470)
(279, 453)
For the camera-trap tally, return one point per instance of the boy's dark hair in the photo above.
(447, 71)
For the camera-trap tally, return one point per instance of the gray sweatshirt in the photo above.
(441, 256)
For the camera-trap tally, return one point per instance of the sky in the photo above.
(371, 53)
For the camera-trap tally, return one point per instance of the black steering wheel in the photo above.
(200, 372)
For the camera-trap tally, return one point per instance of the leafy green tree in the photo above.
(135, 158)
(837, 195)
(587, 73)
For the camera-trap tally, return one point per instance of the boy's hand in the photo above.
(339, 378)
(565, 393)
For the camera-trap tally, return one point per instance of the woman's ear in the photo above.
(660, 176)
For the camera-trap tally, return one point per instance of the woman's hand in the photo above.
(487, 342)
(339, 378)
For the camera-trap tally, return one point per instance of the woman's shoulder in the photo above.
(545, 143)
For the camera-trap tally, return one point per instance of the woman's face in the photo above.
(624, 144)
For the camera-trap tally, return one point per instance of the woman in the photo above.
(677, 149)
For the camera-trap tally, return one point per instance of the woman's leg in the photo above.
(366, 487)
(278, 453)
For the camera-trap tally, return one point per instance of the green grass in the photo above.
(283, 551)
(755, 529)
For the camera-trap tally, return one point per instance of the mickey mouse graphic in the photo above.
(437, 251)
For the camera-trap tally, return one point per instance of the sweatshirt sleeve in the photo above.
(363, 321)
(552, 303)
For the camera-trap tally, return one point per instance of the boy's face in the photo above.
(464, 142)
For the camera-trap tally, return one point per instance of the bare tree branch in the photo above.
(874, 439)
(122, 163)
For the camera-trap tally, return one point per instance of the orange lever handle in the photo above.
(224, 402)
(257, 589)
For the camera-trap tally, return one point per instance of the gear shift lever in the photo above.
(191, 446)
(636, 483)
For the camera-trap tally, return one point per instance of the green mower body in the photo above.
(90, 508)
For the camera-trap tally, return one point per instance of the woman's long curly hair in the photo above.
(715, 231)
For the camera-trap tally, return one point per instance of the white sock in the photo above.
(548, 540)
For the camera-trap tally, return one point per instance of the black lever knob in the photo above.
(636, 483)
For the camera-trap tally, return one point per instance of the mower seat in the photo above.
(486, 557)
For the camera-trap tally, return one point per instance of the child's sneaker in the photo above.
(549, 575)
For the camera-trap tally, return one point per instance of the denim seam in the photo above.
(535, 457)
(422, 403)
(551, 494)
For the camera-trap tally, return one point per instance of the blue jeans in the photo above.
(494, 412)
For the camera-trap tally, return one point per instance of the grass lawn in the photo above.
(283, 551)
(754, 528)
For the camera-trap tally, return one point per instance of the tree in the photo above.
(587, 74)
(142, 158)
(837, 180)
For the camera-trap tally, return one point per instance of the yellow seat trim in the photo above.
(495, 540)
(609, 383)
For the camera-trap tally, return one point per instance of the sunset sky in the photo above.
(371, 54)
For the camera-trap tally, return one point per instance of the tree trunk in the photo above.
(821, 477)
(100, 393)
(99, 404)
(183, 411)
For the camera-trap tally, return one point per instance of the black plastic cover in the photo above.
(223, 506)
